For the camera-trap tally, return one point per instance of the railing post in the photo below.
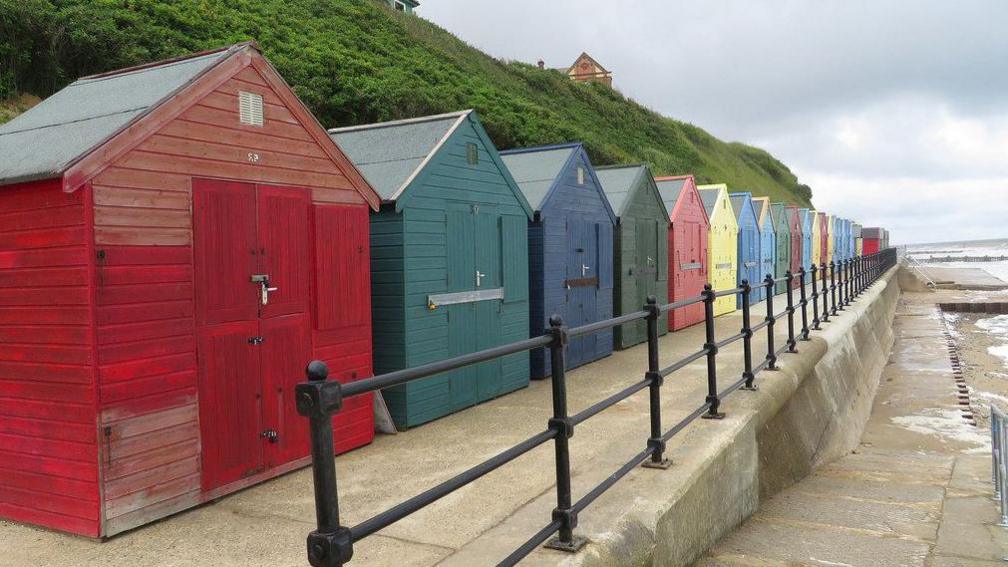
(747, 334)
(832, 289)
(844, 281)
(655, 442)
(330, 544)
(824, 293)
(850, 281)
(713, 400)
(995, 427)
(840, 285)
(771, 356)
(560, 422)
(803, 301)
(792, 343)
(815, 299)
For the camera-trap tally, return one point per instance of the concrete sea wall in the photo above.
(810, 412)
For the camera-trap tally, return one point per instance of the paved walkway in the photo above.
(915, 493)
(964, 278)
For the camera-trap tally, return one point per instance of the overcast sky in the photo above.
(895, 113)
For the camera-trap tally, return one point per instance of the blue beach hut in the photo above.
(807, 218)
(768, 240)
(748, 242)
(570, 247)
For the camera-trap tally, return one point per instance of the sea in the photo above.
(996, 326)
(992, 247)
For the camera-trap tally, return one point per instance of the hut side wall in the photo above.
(687, 245)
(48, 443)
(147, 350)
(748, 251)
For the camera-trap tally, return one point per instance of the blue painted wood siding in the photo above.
(748, 249)
(768, 252)
(550, 253)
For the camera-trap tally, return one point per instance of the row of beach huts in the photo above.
(178, 239)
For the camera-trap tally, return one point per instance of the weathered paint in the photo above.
(151, 390)
(768, 241)
(824, 239)
(872, 239)
(687, 247)
(570, 244)
(830, 250)
(722, 244)
(640, 246)
(817, 234)
(858, 242)
(748, 243)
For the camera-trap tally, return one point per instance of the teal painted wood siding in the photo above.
(455, 218)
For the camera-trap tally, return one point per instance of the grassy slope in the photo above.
(357, 62)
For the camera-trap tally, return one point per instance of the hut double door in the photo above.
(252, 255)
(582, 287)
(646, 270)
(474, 265)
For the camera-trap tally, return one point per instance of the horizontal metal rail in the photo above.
(331, 544)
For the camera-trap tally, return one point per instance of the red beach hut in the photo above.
(687, 241)
(177, 240)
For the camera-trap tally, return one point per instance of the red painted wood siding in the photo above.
(48, 443)
(146, 334)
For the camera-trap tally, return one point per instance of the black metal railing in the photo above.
(331, 544)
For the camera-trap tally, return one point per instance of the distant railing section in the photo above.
(332, 543)
(943, 259)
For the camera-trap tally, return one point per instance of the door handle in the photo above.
(265, 289)
(270, 434)
(584, 270)
(479, 277)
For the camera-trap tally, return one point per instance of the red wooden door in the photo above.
(251, 352)
(225, 255)
(285, 257)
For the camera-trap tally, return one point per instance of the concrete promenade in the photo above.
(917, 492)
(482, 523)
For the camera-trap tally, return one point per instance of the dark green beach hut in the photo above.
(449, 259)
(782, 228)
(640, 247)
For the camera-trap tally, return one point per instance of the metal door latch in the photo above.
(255, 340)
(269, 434)
(263, 281)
(584, 270)
(479, 277)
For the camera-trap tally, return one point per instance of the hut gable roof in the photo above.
(621, 181)
(392, 155)
(781, 217)
(712, 196)
(538, 171)
(764, 212)
(742, 205)
(116, 111)
(44, 141)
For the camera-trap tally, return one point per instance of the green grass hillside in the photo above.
(357, 62)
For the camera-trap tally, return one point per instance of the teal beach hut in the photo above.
(449, 259)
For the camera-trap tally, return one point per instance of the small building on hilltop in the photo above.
(407, 6)
(687, 246)
(722, 244)
(748, 243)
(178, 240)
(570, 248)
(449, 250)
(587, 70)
(641, 246)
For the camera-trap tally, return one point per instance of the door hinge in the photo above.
(255, 340)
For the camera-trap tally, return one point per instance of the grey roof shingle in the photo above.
(536, 170)
(617, 182)
(738, 204)
(670, 189)
(389, 153)
(45, 140)
(709, 198)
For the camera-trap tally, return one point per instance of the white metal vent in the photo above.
(250, 108)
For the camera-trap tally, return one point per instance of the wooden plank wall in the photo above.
(147, 347)
(48, 442)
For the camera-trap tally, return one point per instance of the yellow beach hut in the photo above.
(722, 245)
(816, 239)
